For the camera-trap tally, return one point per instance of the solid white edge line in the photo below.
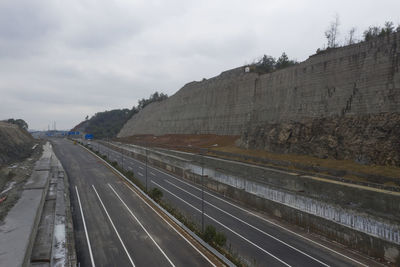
(115, 229)
(84, 227)
(244, 238)
(266, 220)
(141, 225)
(248, 224)
(204, 256)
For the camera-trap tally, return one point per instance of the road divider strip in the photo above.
(248, 224)
(223, 225)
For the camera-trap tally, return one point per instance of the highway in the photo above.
(259, 240)
(113, 225)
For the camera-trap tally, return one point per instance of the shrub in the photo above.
(156, 194)
(220, 239)
(209, 234)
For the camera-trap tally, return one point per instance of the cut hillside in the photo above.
(342, 103)
(15, 143)
(18, 154)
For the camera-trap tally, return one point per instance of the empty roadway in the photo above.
(113, 225)
(255, 238)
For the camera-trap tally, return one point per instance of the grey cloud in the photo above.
(63, 60)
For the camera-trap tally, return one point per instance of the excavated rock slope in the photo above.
(346, 97)
(15, 143)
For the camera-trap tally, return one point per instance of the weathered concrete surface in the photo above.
(54, 245)
(363, 218)
(35, 231)
(352, 82)
(18, 231)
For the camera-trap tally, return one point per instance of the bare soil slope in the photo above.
(15, 143)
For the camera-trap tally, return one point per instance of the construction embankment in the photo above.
(362, 218)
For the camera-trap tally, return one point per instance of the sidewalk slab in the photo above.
(15, 232)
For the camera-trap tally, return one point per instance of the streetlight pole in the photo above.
(108, 149)
(202, 193)
(146, 167)
(122, 155)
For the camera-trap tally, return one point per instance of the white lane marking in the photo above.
(106, 163)
(140, 167)
(204, 256)
(115, 229)
(130, 168)
(248, 224)
(223, 225)
(266, 220)
(256, 215)
(152, 173)
(141, 174)
(84, 227)
(141, 225)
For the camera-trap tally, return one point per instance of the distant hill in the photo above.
(109, 123)
(105, 124)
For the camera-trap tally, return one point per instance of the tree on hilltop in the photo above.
(20, 122)
(284, 62)
(332, 33)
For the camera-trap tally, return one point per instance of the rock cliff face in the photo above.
(342, 103)
(367, 139)
(15, 143)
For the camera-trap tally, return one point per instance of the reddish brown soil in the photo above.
(209, 142)
(182, 141)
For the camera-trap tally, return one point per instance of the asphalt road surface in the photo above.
(258, 240)
(113, 225)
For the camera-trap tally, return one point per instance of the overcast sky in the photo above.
(63, 60)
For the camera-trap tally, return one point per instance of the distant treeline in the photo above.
(332, 34)
(20, 122)
(269, 64)
(109, 123)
